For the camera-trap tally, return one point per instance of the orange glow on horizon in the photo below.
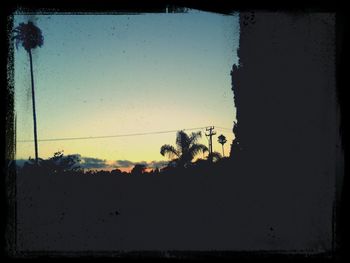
(122, 169)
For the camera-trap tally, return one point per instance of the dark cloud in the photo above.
(96, 163)
(159, 164)
(92, 163)
(123, 163)
(75, 155)
(127, 163)
(143, 162)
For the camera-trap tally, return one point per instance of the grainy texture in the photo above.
(277, 195)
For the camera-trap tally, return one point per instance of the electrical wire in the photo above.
(111, 136)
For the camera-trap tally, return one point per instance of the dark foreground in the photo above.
(193, 209)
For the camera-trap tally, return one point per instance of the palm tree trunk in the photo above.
(34, 113)
(223, 153)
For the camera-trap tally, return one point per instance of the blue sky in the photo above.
(101, 75)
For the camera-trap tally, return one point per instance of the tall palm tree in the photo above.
(222, 140)
(186, 148)
(30, 37)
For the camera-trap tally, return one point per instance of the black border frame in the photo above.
(222, 7)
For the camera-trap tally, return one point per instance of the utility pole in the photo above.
(210, 135)
(34, 113)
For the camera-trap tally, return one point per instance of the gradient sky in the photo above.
(101, 75)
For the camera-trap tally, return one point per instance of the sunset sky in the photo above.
(100, 75)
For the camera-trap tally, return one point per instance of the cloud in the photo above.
(96, 163)
(159, 164)
(75, 154)
(93, 163)
(127, 164)
(123, 163)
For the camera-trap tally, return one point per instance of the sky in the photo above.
(102, 75)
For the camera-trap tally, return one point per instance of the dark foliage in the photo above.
(28, 35)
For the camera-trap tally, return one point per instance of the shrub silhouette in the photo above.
(138, 169)
(56, 164)
(214, 156)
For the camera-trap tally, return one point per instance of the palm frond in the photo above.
(169, 150)
(183, 142)
(196, 149)
(28, 35)
(222, 139)
(195, 136)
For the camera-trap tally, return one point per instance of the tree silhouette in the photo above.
(60, 163)
(186, 148)
(116, 172)
(56, 164)
(30, 37)
(222, 140)
(138, 169)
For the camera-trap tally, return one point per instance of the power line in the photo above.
(112, 136)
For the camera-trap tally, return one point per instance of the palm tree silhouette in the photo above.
(186, 148)
(222, 140)
(30, 37)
